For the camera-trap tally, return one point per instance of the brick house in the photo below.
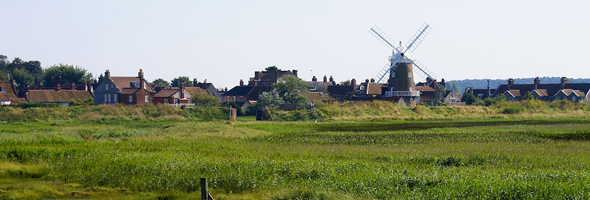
(173, 96)
(124, 90)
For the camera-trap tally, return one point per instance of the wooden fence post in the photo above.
(204, 195)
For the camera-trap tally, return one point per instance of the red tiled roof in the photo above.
(52, 96)
(515, 93)
(3, 97)
(129, 90)
(166, 93)
(122, 82)
(579, 93)
(10, 93)
(424, 89)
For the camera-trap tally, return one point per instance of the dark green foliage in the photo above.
(70, 73)
(176, 81)
(83, 102)
(269, 99)
(292, 90)
(160, 82)
(271, 68)
(205, 100)
(234, 105)
(527, 96)
(471, 99)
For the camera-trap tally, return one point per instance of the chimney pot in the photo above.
(295, 72)
(314, 79)
(241, 82)
(325, 78)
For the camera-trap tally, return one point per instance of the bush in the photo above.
(513, 110)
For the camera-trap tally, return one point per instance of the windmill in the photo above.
(399, 63)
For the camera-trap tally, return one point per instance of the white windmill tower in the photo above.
(400, 67)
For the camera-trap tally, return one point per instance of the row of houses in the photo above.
(135, 90)
(128, 90)
(574, 92)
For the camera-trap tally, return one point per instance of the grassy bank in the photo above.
(501, 158)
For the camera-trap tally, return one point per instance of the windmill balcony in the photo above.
(402, 93)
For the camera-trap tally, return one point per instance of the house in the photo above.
(267, 78)
(452, 98)
(208, 87)
(7, 92)
(57, 95)
(173, 95)
(575, 92)
(124, 89)
(342, 92)
(320, 86)
(244, 95)
(366, 91)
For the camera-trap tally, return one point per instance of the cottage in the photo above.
(7, 92)
(173, 95)
(575, 92)
(124, 90)
(57, 96)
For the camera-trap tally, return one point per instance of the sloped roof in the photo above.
(579, 93)
(166, 93)
(239, 91)
(319, 96)
(541, 92)
(195, 90)
(515, 93)
(3, 97)
(551, 88)
(256, 91)
(424, 88)
(52, 96)
(339, 89)
(17, 100)
(122, 82)
(10, 93)
(203, 85)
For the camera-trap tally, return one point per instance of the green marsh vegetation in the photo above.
(471, 152)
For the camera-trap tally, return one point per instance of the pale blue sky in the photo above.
(225, 41)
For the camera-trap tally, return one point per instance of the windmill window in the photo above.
(409, 74)
(392, 74)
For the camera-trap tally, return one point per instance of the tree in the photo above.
(439, 94)
(346, 82)
(528, 96)
(470, 99)
(292, 90)
(270, 99)
(271, 68)
(176, 81)
(161, 82)
(70, 73)
(205, 100)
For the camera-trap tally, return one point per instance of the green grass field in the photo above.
(501, 158)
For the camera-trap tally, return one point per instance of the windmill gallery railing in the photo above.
(402, 93)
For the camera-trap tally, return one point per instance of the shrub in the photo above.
(513, 110)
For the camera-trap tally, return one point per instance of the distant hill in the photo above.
(460, 85)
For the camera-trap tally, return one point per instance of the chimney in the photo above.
(366, 80)
(107, 75)
(225, 89)
(510, 83)
(26, 87)
(195, 82)
(181, 89)
(489, 91)
(12, 78)
(140, 74)
(352, 84)
(325, 79)
(563, 80)
(314, 79)
(331, 79)
(257, 75)
(73, 85)
(205, 81)
(537, 82)
(241, 82)
(57, 87)
(295, 72)
(255, 83)
(433, 84)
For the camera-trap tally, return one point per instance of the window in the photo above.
(106, 86)
(175, 101)
(574, 99)
(130, 99)
(165, 100)
(109, 97)
(556, 98)
(105, 98)
(147, 98)
(409, 74)
(115, 98)
(144, 87)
